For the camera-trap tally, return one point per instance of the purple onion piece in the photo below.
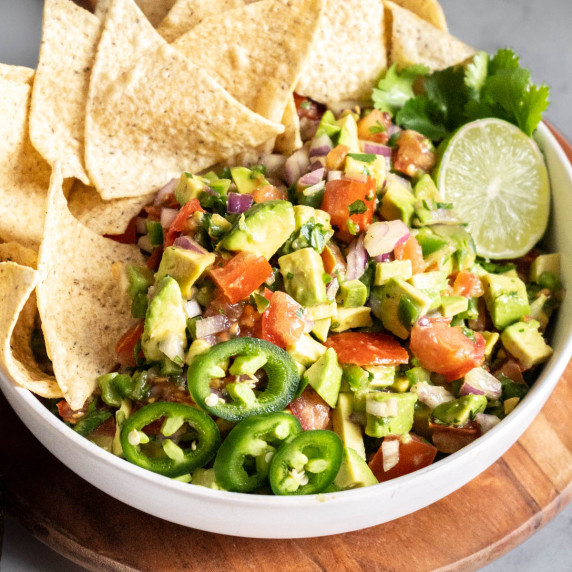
(332, 288)
(274, 164)
(317, 163)
(481, 382)
(312, 178)
(212, 325)
(376, 149)
(238, 203)
(393, 129)
(165, 191)
(296, 165)
(486, 421)
(386, 257)
(321, 145)
(357, 259)
(468, 389)
(168, 216)
(189, 244)
(383, 237)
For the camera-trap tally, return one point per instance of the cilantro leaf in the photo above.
(357, 207)
(446, 90)
(476, 73)
(421, 114)
(396, 88)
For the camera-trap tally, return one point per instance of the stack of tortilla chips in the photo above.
(127, 97)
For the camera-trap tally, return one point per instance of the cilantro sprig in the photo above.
(438, 103)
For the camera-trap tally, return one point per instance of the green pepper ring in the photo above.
(208, 441)
(280, 368)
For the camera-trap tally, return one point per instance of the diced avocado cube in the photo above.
(381, 376)
(464, 247)
(385, 271)
(189, 187)
(185, 266)
(421, 418)
(262, 229)
(246, 180)
(491, 339)
(304, 214)
(321, 328)
(401, 384)
(303, 272)
(545, 263)
(354, 472)
(434, 281)
(400, 408)
(459, 411)
(431, 243)
(397, 203)
(354, 378)
(453, 305)
(376, 167)
(348, 318)
(538, 311)
(322, 311)
(510, 404)
(325, 376)
(353, 293)
(306, 350)
(418, 374)
(348, 133)
(247, 365)
(512, 273)
(328, 125)
(218, 226)
(472, 311)
(506, 299)
(425, 189)
(165, 323)
(399, 305)
(526, 344)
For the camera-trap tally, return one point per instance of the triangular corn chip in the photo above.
(59, 95)
(82, 308)
(428, 10)
(291, 139)
(155, 10)
(16, 73)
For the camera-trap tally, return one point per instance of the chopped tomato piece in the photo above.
(179, 223)
(414, 453)
(445, 349)
(411, 250)
(512, 370)
(307, 108)
(129, 236)
(340, 195)
(336, 157)
(241, 275)
(155, 259)
(366, 348)
(333, 259)
(125, 348)
(414, 155)
(467, 284)
(268, 193)
(450, 439)
(373, 127)
(311, 410)
(282, 322)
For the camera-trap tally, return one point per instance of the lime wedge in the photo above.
(496, 178)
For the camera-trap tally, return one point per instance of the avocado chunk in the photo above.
(431, 284)
(354, 472)
(506, 299)
(348, 133)
(306, 350)
(304, 214)
(353, 293)
(545, 263)
(526, 344)
(399, 305)
(385, 271)
(303, 272)
(185, 266)
(328, 125)
(325, 376)
(426, 189)
(322, 311)
(247, 180)
(189, 187)
(464, 250)
(349, 431)
(397, 202)
(165, 323)
(459, 411)
(262, 229)
(491, 339)
(380, 376)
(453, 305)
(347, 318)
(389, 413)
(360, 164)
(321, 328)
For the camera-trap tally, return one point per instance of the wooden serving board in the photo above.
(478, 523)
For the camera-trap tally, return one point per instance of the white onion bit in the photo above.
(390, 452)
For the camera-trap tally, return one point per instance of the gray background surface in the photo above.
(540, 32)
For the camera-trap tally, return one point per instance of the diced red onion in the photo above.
(432, 395)
(165, 191)
(376, 148)
(141, 225)
(212, 325)
(486, 421)
(383, 237)
(274, 164)
(167, 217)
(357, 259)
(296, 165)
(321, 145)
(481, 382)
(390, 452)
(192, 309)
(312, 178)
(386, 257)
(332, 288)
(335, 175)
(393, 129)
(189, 244)
(312, 190)
(317, 163)
(238, 203)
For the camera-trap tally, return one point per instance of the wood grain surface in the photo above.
(478, 523)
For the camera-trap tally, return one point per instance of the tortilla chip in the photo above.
(186, 14)
(160, 118)
(17, 312)
(155, 10)
(261, 66)
(24, 175)
(104, 217)
(16, 73)
(291, 139)
(414, 41)
(14, 252)
(428, 10)
(348, 55)
(59, 95)
(83, 310)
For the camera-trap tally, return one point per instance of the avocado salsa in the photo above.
(317, 322)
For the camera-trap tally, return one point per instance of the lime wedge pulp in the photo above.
(496, 178)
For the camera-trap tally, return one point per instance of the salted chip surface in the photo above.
(428, 10)
(15, 252)
(291, 139)
(348, 55)
(59, 95)
(155, 10)
(186, 14)
(415, 41)
(152, 113)
(16, 73)
(101, 216)
(17, 313)
(83, 309)
(271, 40)
(24, 175)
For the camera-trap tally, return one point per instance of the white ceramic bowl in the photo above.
(318, 515)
